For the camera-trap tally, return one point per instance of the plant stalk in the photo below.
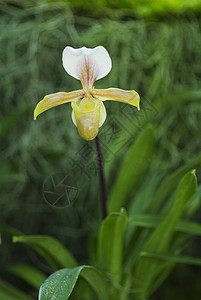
(101, 178)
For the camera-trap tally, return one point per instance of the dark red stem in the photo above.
(102, 178)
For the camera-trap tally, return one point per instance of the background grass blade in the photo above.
(29, 274)
(135, 163)
(170, 183)
(60, 284)
(51, 249)
(147, 268)
(8, 292)
(11, 120)
(174, 258)
(149, 221)
(8, 230)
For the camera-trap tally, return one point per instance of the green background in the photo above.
(155, 49)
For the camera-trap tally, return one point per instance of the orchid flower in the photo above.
(88, 114)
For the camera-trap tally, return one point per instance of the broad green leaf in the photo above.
(159, 241)
(9, 292)
(150, 221)
(51, 249)
(28, 273)
(174, 258)
(110, 243)
(135, 163)
(60, 284)
(138, 220)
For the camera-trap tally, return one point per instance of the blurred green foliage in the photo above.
(140, 8)
(113, 275)
(159, 57)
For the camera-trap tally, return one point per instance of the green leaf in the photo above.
(149, 221)
(170, 183)
(159, 241)
(164, 272)
(127, 286)
(174, 258)
(8, 230)
(135, 163)
(110, 243)
(9, 292)
(51, 249)
(28, 273)
(194, 204)
(138, 205)
(60, 284)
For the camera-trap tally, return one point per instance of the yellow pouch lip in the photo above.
(76, 108)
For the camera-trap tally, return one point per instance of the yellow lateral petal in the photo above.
(129, 97)
(56, 99)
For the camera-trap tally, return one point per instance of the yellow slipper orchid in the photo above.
(87, 65)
